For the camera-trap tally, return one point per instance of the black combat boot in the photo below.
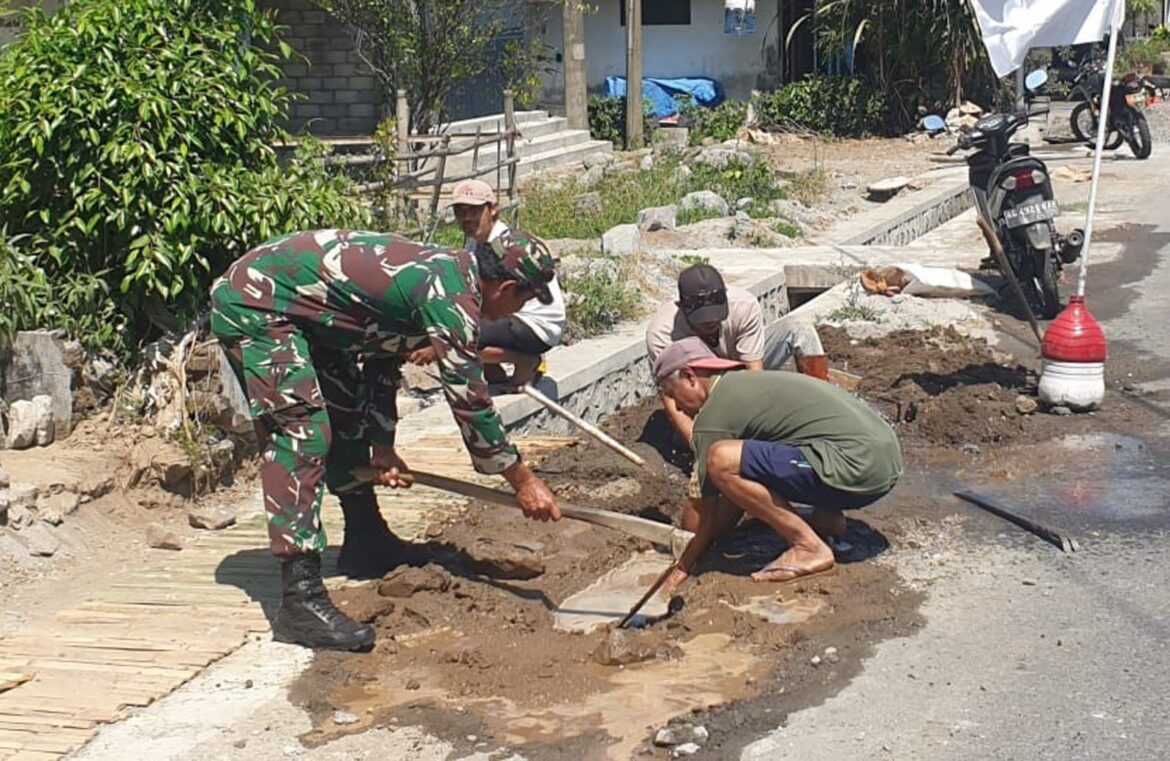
(370, 549)
(308, 617)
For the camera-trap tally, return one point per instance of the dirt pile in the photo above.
(463, 651)
(591, 474)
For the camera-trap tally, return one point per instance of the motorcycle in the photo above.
(1127, 99)
(1013, 193)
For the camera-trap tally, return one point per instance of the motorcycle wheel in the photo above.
(1084, 126)
(1139, 138)
(1047, 289)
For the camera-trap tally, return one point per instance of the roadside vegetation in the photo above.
(131, 182)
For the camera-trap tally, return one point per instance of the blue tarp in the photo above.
(660, 93)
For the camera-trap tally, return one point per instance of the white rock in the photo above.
(681, 174)
(704, 199)
(720, 158)
(62, 503)
(815, 660)
(623, 239)
(22, 501)
(658, 218)
(700, 734)
(160, 538)
(40, 541)
(598, 159)
(22, 425)
(588, 203)
(46, 428)
(344, 717)
(212, 518)
(667, 737)
(686, 749)
(647, 163)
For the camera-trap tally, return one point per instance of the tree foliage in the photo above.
(136, 154)
(920, 53)
(426, 47)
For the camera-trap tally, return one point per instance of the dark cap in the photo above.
(693, 353)
(516, 255)
(702, 296)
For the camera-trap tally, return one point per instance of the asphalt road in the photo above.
(1028, 653)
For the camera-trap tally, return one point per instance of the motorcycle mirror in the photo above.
(933, 123)
(1035, 80)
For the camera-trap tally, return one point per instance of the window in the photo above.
(661, 12)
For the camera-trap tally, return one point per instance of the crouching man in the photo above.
(730, 322)
(766, 441)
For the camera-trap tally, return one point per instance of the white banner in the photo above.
(1011, 27)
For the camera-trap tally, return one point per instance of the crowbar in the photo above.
(652, 531)
(995, 507)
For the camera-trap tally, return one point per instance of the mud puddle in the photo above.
(1082, 482)
(466, 655)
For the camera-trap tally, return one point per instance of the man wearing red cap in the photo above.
(765, 441)
(731, 323)
(521, 338)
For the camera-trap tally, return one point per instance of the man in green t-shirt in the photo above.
(766, 440)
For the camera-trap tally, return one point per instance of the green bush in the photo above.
(840, 106)
(721, 123)
(1143, 56)
(737, 180)
(136, 152)
(607, 120)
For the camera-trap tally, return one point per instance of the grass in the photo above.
(853, 309)
(785, 228)
(601, 297)
(808, 187)
(690, 259)
(1079, 206)
(550, 212)
(696, 214)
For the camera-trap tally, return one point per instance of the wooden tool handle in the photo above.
(583, 424)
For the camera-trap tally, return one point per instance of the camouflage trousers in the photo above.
(310, 409)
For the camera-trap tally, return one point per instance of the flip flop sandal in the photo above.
(801, 573)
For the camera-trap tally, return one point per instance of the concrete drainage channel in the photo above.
(599, 375)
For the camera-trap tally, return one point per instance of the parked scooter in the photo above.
(1013, 193)
(1127, 99)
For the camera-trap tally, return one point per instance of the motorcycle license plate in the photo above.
(1032, 213)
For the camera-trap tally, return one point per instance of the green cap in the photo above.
(523, 257)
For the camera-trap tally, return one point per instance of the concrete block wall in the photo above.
(342, 97)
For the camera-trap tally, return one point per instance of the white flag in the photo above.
(1011, 27)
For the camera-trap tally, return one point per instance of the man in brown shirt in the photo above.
(731, 323)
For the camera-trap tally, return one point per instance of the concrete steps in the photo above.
(545, 142)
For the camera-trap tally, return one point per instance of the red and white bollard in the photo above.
(1073, 353)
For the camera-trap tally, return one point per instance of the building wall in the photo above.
(9, 26)
(341, 95)
(700, 49)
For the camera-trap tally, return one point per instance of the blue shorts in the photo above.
(785, 471)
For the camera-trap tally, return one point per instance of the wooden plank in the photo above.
(37, 720)
(41, 707)
(32, 755)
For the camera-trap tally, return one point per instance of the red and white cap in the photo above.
(690, 352)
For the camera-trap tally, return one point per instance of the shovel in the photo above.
(652, 531)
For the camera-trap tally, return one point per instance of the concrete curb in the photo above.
(597, 376)
(902, 221)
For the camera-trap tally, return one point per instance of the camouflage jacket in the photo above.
(375, 296)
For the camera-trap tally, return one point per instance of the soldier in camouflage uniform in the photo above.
(315, 325)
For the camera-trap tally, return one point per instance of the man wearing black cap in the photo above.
(731, 323)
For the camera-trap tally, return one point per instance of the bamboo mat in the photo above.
(148, 632)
